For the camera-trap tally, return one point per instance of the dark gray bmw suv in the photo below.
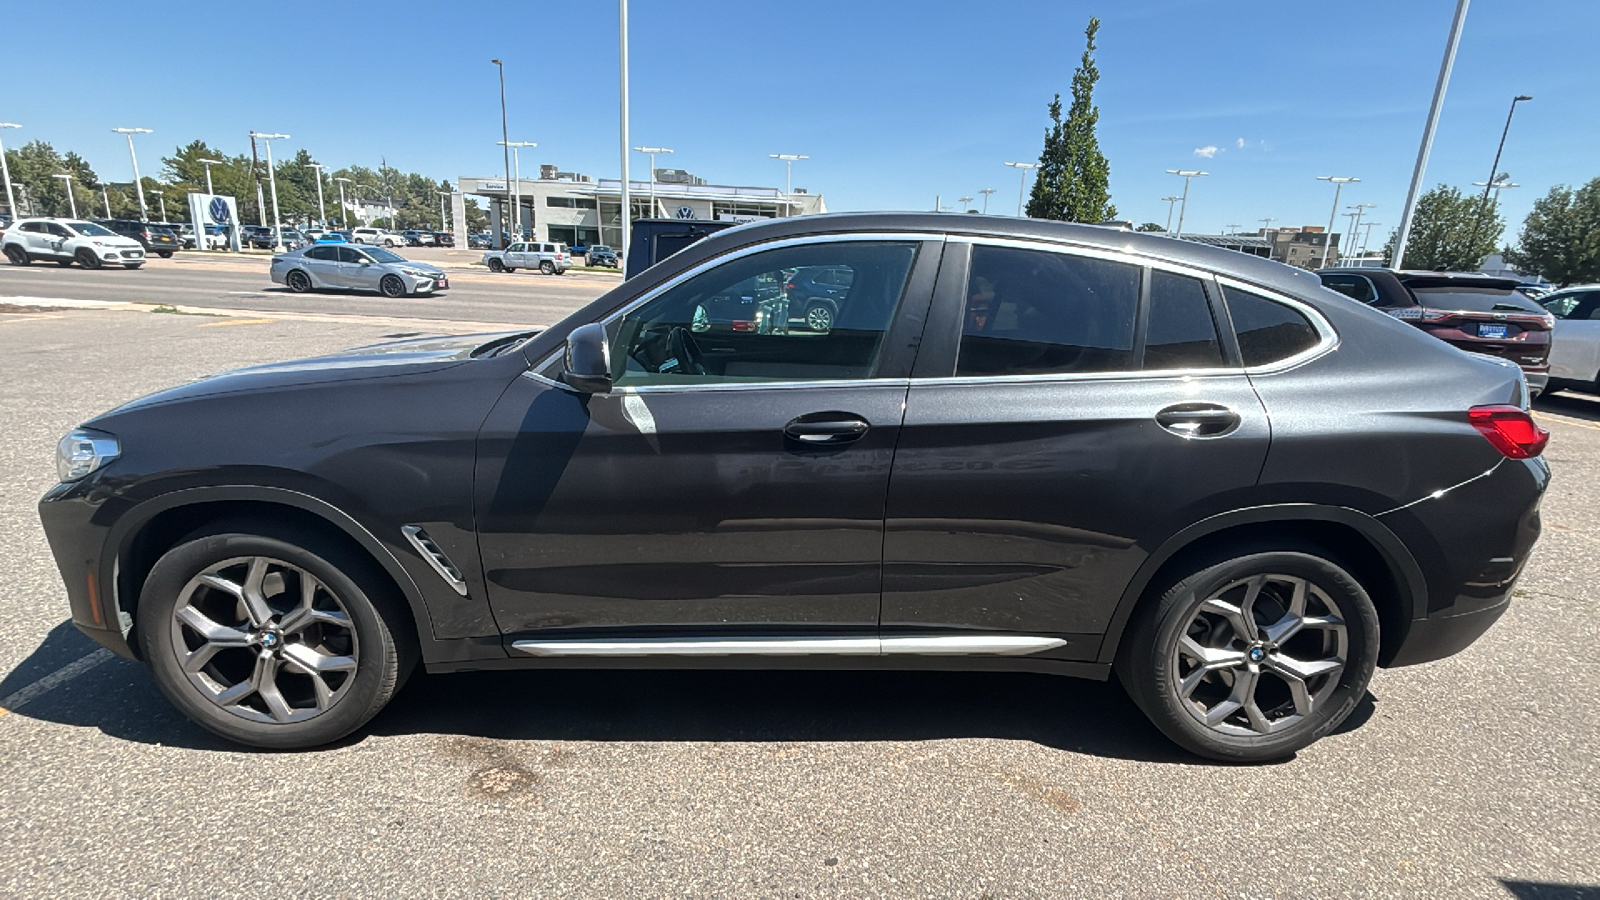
(1019, 445)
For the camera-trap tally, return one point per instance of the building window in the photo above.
(570, 202)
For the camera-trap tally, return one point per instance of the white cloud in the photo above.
(1206, 152)
(1239, 142)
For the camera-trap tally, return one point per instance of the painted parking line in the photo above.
(54, 680)
(1563, 420)
(239, 322)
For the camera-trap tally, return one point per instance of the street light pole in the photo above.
(322, 210)
(516, 163)
(272, 179)
(138, 185)
(208, 163)
(1503, 132)
(1183, 201)
(986, 192)
(163, 198)
(1500, 183)
(105, 194)
(1171, 203)
(344, 208)
(505, 139)
(966, 203)
(1338, 182)
(1366, 237)
(443, 219)
(652, 151)
(5, 174)
(1023, 186)
(72, 201)
(1355, 226)
(622, 80)
(789, 159)
(1409, 210)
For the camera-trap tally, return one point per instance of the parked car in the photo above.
(415, 238)
(258, 237)
(330, 237)
(152, 237)
(1024, 445)
(549, 258)
(600, 255)
(1575, 344)
(815, 293)
(376, 237)
(652, 240)
(338, 266)
(444, 239)
(1477, 313)
(480, 241)
(65, 241)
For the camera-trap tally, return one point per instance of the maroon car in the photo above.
(1478, 313)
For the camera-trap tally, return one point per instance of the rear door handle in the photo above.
(1196, 420)
(826, 428)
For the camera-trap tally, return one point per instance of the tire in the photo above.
(391, 286)
(819, 318)
(359, 241)
(1178, 692)
(164, 254)
(298, 281)
(496, 265)
(547, 267)
(352, 632)
(132, 265)
(18, 256)
(88, 260)
(63, 263)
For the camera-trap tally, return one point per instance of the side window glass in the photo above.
(1268, 331)
(347, 255)
(735, 322)
(1035, 312)
(1181, 334)
(1561, 307)
(1353, 286)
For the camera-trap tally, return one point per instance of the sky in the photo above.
(896, 102)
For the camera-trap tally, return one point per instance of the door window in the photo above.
(323, 253)
(1356, 287)
(1038, 312)
(348, 255)
(1182, 333)
(733, 323)
(1268, 331)
(1561, 305)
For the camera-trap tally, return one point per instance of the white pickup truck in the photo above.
(549, 258)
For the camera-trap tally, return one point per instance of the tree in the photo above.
(1560, 239)
(1073, 183)
(33, 168)
(1150, 226)
(1451, 231)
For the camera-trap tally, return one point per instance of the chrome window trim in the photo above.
(1049, 246)
(730, 256)
(1176, 374)
(1328, 338)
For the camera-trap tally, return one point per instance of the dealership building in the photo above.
(579, 211)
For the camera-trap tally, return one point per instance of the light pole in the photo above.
(622, 81)
(966, 203)
(1503, 132)
(1421, 167)
(789, 159)
(1183, 201)
(322, 210)
(1233, 228)
(986, 192)
(1501, 182)
(5, 174)
(1023, 186)
(516, 209)
(1171, 202)
(1266, 226)
(1353, 217)
(66, 179)
(505, 139)
(1366, 237)
(138, 186)
(344, 208)
(163, 198)
(1355, 225)
(443, 219)
(651, 152)
(1338, 182)
(272, 178)
(105, 194)
(208, 163)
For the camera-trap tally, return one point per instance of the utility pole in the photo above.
(1417, 172)
(986, 192)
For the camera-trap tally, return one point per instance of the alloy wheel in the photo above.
(392, 286)
(264, 640)
(1260, 655)
(819, 318)
(299, 282)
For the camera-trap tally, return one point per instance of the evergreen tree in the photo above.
(1073, 182)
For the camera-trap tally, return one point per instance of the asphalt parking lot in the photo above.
(1473, 777)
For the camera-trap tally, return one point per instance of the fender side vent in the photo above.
(435, 557)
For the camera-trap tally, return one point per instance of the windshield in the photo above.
(385, 256)
(90, 229)
(1468, 299)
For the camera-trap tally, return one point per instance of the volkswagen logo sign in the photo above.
(218, 210)
(685, 212)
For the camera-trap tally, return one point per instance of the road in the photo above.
(240, 282)
(1477, 776)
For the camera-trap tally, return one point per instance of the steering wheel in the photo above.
(686, 352)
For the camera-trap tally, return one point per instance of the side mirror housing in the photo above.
(588, 359)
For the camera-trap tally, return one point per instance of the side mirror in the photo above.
(588, 360)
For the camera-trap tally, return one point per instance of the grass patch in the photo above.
(174, 311)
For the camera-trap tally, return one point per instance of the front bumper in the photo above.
(72, 516)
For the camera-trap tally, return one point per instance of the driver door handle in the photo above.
(1195, 420)
(826, 428)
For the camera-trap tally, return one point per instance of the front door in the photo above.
(1084, 409)
(731, 484)
(356, 270)
(1575, 344)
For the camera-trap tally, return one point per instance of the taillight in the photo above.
(742, 325)
(1510, 429)
(1430, 315)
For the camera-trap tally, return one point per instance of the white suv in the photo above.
(376, 237)
(65, 241)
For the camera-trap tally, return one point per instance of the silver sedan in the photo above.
(343, 267)
(1575, 346)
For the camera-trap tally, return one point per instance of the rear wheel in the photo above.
(496, 265)
(273, 642)
(298, 281)
(63, 263)
(547, 267)
(392, 286)
(17, 255)
(1253, 657)
(164, 254)
(819, 318)
(87, 259)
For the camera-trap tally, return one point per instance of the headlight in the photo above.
(416, 273)
(83, 451)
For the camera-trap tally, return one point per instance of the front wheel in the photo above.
(496, 265)
(392, 286)
(164, 254)
(819, 318)
(547, 267)
(132, 265)
(273, 642)
(88, 260)
(63, 263)
(1254, 657)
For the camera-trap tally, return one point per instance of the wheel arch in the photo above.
(155, 526)
(1379, 559)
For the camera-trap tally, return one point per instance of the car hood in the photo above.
(410, 264)
(406, 357)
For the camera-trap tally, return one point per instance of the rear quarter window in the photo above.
(1268, 331)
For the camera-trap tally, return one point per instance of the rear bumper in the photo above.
(1441, 636)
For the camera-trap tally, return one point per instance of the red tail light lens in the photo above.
(743, 325)
(1510, 429)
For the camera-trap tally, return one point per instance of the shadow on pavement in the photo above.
(1571, 403)
(1543, 890)
(1096, 718)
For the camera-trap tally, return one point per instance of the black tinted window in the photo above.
(1181, 334)
(327, 253)
(1268, 331)
(1033, 312)
(1471, 299)
(347, 255)
(1356, 287)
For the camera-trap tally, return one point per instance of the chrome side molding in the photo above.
(949, 645)
(435, 557)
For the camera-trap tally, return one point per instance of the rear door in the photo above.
(1575, 348)
(1071, 410)
(350, 273)
(322, 262)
